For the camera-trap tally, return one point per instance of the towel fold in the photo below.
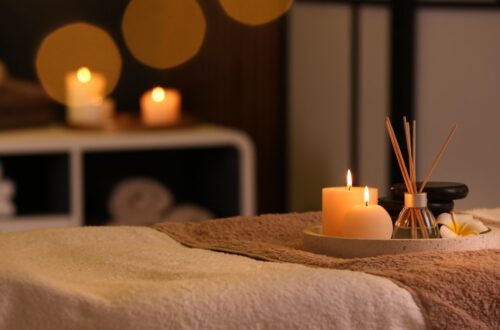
(455, 290)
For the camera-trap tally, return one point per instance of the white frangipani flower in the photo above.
(456, 225)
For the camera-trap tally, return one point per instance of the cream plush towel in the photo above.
(490, 217)
(138, 278)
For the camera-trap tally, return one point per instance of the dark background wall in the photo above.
(237, 79)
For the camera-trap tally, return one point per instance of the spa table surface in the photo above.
(141, 278)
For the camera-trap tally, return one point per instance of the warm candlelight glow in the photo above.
(337, 201)
(84, 88)
(175, 31)
(160, 107)
(69, 48)
(158, 94)
(366, 221)
(83, 74)
(255, 12)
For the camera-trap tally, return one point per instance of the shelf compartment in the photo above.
(42, 182)
(207, 176)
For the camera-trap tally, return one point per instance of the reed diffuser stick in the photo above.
(413, 227)
(438, 157)
(413, 182)
(414, 155)
(415, 148)
(410, 154)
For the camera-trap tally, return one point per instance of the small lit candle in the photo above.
(84, 87)
(336, 201)
(160, 107)
(367, 221)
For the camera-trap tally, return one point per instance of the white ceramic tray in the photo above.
(341, 247)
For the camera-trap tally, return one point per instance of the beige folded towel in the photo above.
(24, 104)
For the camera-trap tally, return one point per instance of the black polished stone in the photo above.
(436, 191)
(393, 207)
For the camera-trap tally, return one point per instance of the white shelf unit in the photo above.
(75, 143)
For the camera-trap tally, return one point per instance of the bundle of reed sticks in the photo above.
(410, 177)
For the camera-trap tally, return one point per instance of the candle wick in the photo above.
(366, 203)
(348, 188)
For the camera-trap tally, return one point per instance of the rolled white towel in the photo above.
(3, 73)
(139, 201)
(189, 213)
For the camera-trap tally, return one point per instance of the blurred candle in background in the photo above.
(85, 92)
(84, 87)
(160, 107)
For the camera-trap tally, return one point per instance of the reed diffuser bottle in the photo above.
(415, 220)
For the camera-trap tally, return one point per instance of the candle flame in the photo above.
(367, 195)
(83, 74)
(349, 179)
(158, 94)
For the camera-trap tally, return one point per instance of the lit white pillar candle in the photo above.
(86, 106)
(367, 221)
(336, 201)
(84, 87)
(160, 107)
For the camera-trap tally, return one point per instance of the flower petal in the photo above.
(445, 219)
(467, 230)
(477, 226)
(447, 232)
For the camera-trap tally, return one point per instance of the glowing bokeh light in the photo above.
(158, 94)
(74, 46)
(163, 33)
(83, 74)
(255, 12)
